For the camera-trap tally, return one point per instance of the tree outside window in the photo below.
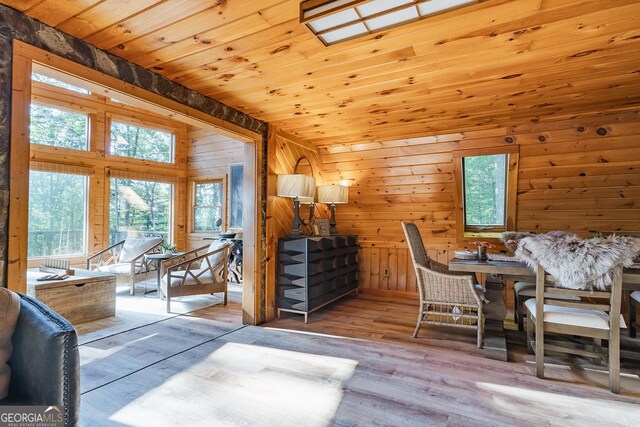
(57, 214)
(139, 208)
(141, 143)
(485, 189)
(58, 128)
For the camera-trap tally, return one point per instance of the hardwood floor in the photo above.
(354, 364)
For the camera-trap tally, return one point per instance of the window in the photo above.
(485, 188)
(58, 128)
(141, 143)
(141, 208)
(236, 175)
(208, 204)
(485, 191)
(37, 77)
(57, 214)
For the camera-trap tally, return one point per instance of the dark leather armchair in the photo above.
(45, 364)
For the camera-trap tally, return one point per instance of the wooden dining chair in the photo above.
(595, 317)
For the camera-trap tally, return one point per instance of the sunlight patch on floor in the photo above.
(517, 400)
(91, 353)
(317, 334)
(299, 388)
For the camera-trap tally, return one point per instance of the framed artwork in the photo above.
(321, 227)
(236, 175)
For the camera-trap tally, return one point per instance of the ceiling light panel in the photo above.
(393, 19)
(436, 6)
(376, 6)
(344, 33)
(335, 20)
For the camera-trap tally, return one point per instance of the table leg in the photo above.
(159, 278)
(495, 342)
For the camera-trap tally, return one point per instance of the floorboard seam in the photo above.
(188, 314)
(165, 358)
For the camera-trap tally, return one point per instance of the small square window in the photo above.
(485, 191)
(208, 204)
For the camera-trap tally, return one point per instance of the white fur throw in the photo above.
(576, 263)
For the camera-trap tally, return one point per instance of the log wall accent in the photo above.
(284, 150)
(208, 157)
(579, 175)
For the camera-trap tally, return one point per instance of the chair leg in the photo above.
(515, 306)
(614, 361)
(225, 297)
(415, 332)
(632, 319)
(539, 350)
(597, 343)
(530, 327)
(521, 312)
(480, 328)
(133, 287)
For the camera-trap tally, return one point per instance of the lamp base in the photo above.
(333, 231)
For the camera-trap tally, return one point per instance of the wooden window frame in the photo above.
(24, 57)
(466, 233)
(192, 204)
(148, 124)
(69, 108)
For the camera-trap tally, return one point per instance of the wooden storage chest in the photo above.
(83, 297)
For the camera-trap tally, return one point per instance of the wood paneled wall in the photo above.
(580, 175)
(284, 150)
(208, 157)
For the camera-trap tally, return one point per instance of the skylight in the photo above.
(334, 21)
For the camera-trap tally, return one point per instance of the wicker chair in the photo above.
(446, 298)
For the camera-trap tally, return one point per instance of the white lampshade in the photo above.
(301, 186)
(333, 194)
(306, 200)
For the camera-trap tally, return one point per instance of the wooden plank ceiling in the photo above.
(492, 64)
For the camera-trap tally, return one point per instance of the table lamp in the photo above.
(333, 195)
(300, 188)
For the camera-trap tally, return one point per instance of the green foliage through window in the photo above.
(58, 128)
(57, 214)
(141, 143)
(207, 209)
(141, 208)
(485, 190)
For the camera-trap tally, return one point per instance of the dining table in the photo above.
(495, 311)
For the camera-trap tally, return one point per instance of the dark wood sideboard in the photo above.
(315, 271)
